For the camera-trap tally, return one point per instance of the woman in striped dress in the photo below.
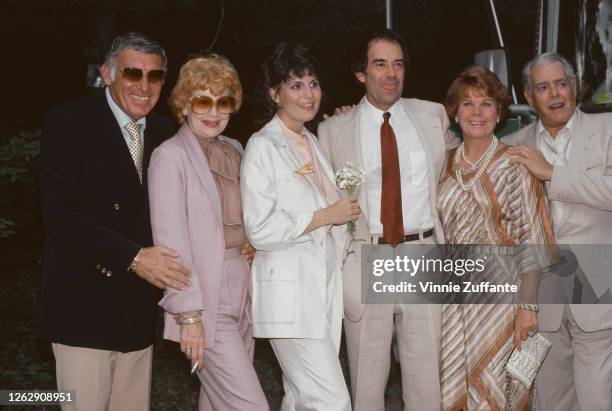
(485, 199)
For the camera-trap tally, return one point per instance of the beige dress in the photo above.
(506, 207)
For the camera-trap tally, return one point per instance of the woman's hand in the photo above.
(525, 321)
(248, 252)
(342, 211)
(192, 343)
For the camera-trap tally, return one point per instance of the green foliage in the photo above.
(17, 151)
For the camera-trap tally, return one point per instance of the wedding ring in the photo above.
(531, 333)
(188, 352)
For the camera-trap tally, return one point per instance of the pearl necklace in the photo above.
(484, 162)
(468, 161)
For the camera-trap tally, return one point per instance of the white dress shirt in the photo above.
(556, 151)
(123, 119)
(414, 172)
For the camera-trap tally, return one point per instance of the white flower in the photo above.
(349, 178)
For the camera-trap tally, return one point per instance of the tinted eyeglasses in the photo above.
(135, 74)
(203, 104)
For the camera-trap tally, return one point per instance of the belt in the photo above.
(410, 237)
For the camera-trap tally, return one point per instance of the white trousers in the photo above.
(312, 375)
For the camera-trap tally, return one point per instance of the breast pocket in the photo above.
(418, 167)
(274, 288)
(293, 191)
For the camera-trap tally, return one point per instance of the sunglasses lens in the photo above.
(157, 76)
(201, 105)
(226, 105)
(132, 74)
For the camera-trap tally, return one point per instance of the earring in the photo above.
(457, 119)
(498, 119)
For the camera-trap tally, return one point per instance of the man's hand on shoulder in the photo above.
(339, 111)
(158, 266)
(533, 159)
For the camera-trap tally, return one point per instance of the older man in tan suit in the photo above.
(400, 145)
(571, 152)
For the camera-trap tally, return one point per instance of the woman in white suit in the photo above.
(295, 218)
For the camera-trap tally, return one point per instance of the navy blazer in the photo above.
(96, 216)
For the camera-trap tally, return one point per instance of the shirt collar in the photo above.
(558, 145)
(565, 130)
(376, 114)
(122, 118)
(292, 135)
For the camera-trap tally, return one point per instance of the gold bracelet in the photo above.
(529, 307)
(132, 266)
(190, 318)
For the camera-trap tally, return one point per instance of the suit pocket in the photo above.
(274, 288)
(274, 265)
(274, 302)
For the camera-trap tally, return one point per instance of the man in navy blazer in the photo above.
(100, 275)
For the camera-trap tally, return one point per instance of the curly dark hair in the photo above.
(481, 79)
(286, 61)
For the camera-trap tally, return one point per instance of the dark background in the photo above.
(47, 44)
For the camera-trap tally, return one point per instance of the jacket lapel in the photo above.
(349, 141)
(274, 130)
(323, 161)
(423, 123)
(200, 165)
(581, 143)
(349, 148)
(114, 139)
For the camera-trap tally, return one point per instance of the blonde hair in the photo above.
(211, 72)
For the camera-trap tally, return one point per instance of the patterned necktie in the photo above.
(391, 198)
(135, 146)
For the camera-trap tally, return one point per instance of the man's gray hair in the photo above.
(547, 58)
(134, 41)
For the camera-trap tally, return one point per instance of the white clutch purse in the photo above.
(524, 365)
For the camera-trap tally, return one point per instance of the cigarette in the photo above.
(194, 367)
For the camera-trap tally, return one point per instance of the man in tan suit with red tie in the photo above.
(571, 152)
(400, 145)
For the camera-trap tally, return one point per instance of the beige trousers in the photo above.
(104, 380)
(417, 329)
(576, 375)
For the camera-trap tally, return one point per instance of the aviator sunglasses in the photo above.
(135, 74)
(203, 104)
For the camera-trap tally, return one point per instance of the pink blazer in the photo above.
(186, 216)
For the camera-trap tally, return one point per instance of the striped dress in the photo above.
(506, 207)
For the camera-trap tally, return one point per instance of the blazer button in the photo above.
(117, 206)
(108, 273)
(103, 270)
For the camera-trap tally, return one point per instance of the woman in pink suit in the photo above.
(194, 190)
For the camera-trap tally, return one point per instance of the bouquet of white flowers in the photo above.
(348, 179)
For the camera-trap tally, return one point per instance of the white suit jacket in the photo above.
(340, 137)
(585, 187)
(289, 269)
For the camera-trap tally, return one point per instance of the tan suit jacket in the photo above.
(585, 187)
(340, 137)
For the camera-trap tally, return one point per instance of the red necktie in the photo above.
(391, 198)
